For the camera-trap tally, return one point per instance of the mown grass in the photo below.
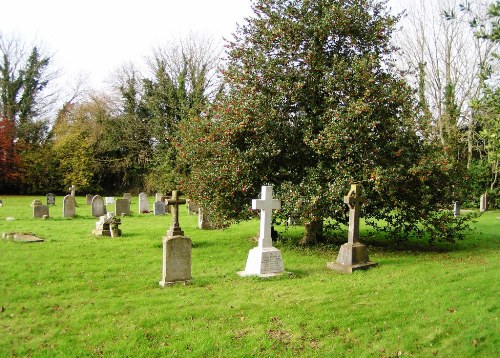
(77, 295)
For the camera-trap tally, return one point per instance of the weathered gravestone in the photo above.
(69, 210)
(51, 199)
(143, 203)
(176, 249)
(98, 207)
(128, 196)
(40, 211)
(264, 260)
(108, 226)
(159, 208)
(192, 207)
(21, 237)
(204, 221)
(88, 199)
(483, 203)
(456, 209)
(36, 202)
(158, 196)
(164, 199)
(352, 255)
(122, 207)
(72, 190)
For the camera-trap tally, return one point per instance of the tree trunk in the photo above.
(313, 232)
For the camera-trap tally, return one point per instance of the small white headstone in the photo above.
(143, 203)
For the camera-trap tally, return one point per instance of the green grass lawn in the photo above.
(75, 295)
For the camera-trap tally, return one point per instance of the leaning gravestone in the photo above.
(51, 199)
(264, 260)
(40, 211)
(98, 207)
(88, 199)
(143, 203)
(159, 208)
(352, 255)
(176, 249)
(122, 207)
(69, 210)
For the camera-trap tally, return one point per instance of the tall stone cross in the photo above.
(354, 199)
(266, 205)
(72, 189)
(175, 229)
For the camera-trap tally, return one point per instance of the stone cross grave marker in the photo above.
(69, 210)
(175, 229)
(264, 260)
(352, 255)
(122, 207)
(51, 199)
(143, 203)
(98, 207)
(176, 248)
(72, 190)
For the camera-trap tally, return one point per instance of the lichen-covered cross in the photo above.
(354, 199)
(175, 229)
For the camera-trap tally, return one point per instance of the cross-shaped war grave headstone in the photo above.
(176, 248)
(352, 255)
(264, 260)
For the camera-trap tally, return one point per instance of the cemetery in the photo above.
(76, 294)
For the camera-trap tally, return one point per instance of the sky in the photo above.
(94, 38)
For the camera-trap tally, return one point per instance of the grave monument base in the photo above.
(351, 257)
(263, 262)
(176, 260)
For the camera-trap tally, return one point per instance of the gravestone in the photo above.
(456, 209)
(40, 211)
(192, 207)
(88, 199)
(102, 227)
(352, 255)
(72, 190)
(122, 207)
(21, 237)
(143, 203)
(176, 249)
(1, 203)
(109, 200)
(164, 198)
(98, 207)
(158, 196)
(159, 208)
(51, 199)
(128, 196)
(204, 222)
(264, 260)
(483, 203)
(69, 210)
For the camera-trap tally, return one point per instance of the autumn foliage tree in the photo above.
(312, 104)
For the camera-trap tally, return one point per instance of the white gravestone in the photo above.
(143, 203)
(264, 260)
(109, 200)
(483, 204)
(456, 209)
(69, 210)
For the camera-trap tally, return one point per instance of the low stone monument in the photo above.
(159, 208)
(26, 237)
(51, 199)
(176, 249)
(352, 255)
(98, 207)
(88, 199)
(122, 207)
(143, 203)
(69, 210)
(41, 211)
(483, 203)
(264, 260)
(107, 226)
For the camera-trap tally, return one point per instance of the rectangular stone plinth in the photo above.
(176, 260)
(351, 257)
(263, 262)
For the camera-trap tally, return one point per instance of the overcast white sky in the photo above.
(95, 37)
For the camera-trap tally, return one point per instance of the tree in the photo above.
(313, 103)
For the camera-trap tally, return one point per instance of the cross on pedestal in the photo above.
(266, 205)
(72, 190)
(354, 199)
(175, 229)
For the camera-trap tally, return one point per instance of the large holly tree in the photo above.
(313, 103)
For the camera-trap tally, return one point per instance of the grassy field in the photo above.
(75, 295)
